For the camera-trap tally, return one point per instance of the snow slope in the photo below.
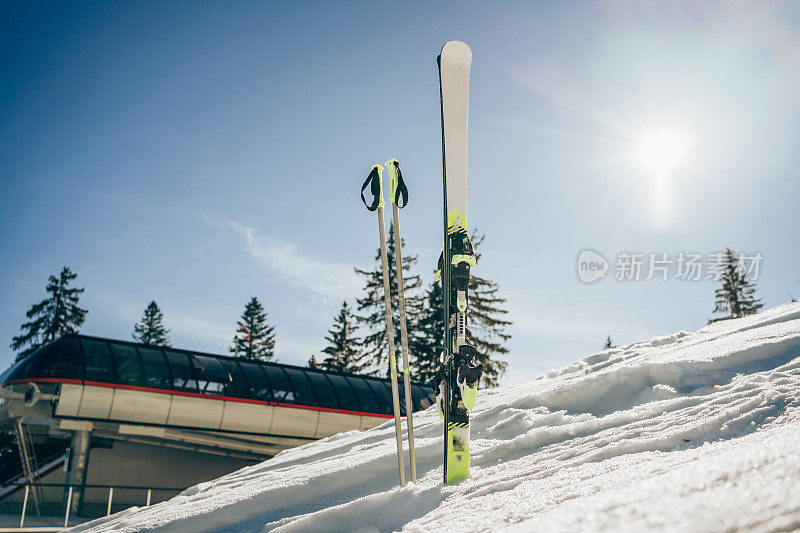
(692, 431)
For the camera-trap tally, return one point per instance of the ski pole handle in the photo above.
(397, 187)
(376, 188)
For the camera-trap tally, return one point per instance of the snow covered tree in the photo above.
(486, 327)
(150, 329)
(372, 309)
(56, 315)
(344, 352)
(609, 343)
(736, 297)
(255, 338)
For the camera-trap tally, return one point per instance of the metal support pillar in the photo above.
(76, 473)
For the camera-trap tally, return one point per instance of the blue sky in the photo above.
(203, 153)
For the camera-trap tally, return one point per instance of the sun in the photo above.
(662, 150)
(662, 153)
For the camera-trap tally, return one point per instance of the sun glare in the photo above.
(663, 150)
(661, 153)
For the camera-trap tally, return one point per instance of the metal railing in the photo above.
(55, 501)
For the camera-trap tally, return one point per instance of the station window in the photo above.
(366, 398)
(384, 395)
(259, 386)
(156, 371)
(347, 398)
(28, 367)
(212, 378)
(303, 392)
(182, 378)
(282, 390)
(6, 376)
(420, 398)
(237, 384)
(401, 389)
(61, 359)
(97, 357)
(431, 396)
(126, 361)
(324, 390)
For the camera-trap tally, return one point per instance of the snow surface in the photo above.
(692, 431)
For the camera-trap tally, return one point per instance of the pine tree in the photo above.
(312, 362)
(486, 327)
(425, 342)
(344, 348)
(150, 329)
(372, 309)
(736, 297)
(609, 343)
(53, 317)
(255, 338)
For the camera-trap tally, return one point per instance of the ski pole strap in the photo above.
(398, 187)
(376, 187)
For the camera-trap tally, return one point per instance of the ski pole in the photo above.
(398, 191)
(376, 187)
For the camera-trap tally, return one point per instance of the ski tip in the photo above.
(455, 48)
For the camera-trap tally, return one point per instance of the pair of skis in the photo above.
(459, 374)
(398, 193)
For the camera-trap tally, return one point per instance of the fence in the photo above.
(52, 503)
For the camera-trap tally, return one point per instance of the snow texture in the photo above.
(692, 432)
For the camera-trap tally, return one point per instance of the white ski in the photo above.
(457, 256)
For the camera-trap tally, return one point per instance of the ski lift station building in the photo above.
(91, 412)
